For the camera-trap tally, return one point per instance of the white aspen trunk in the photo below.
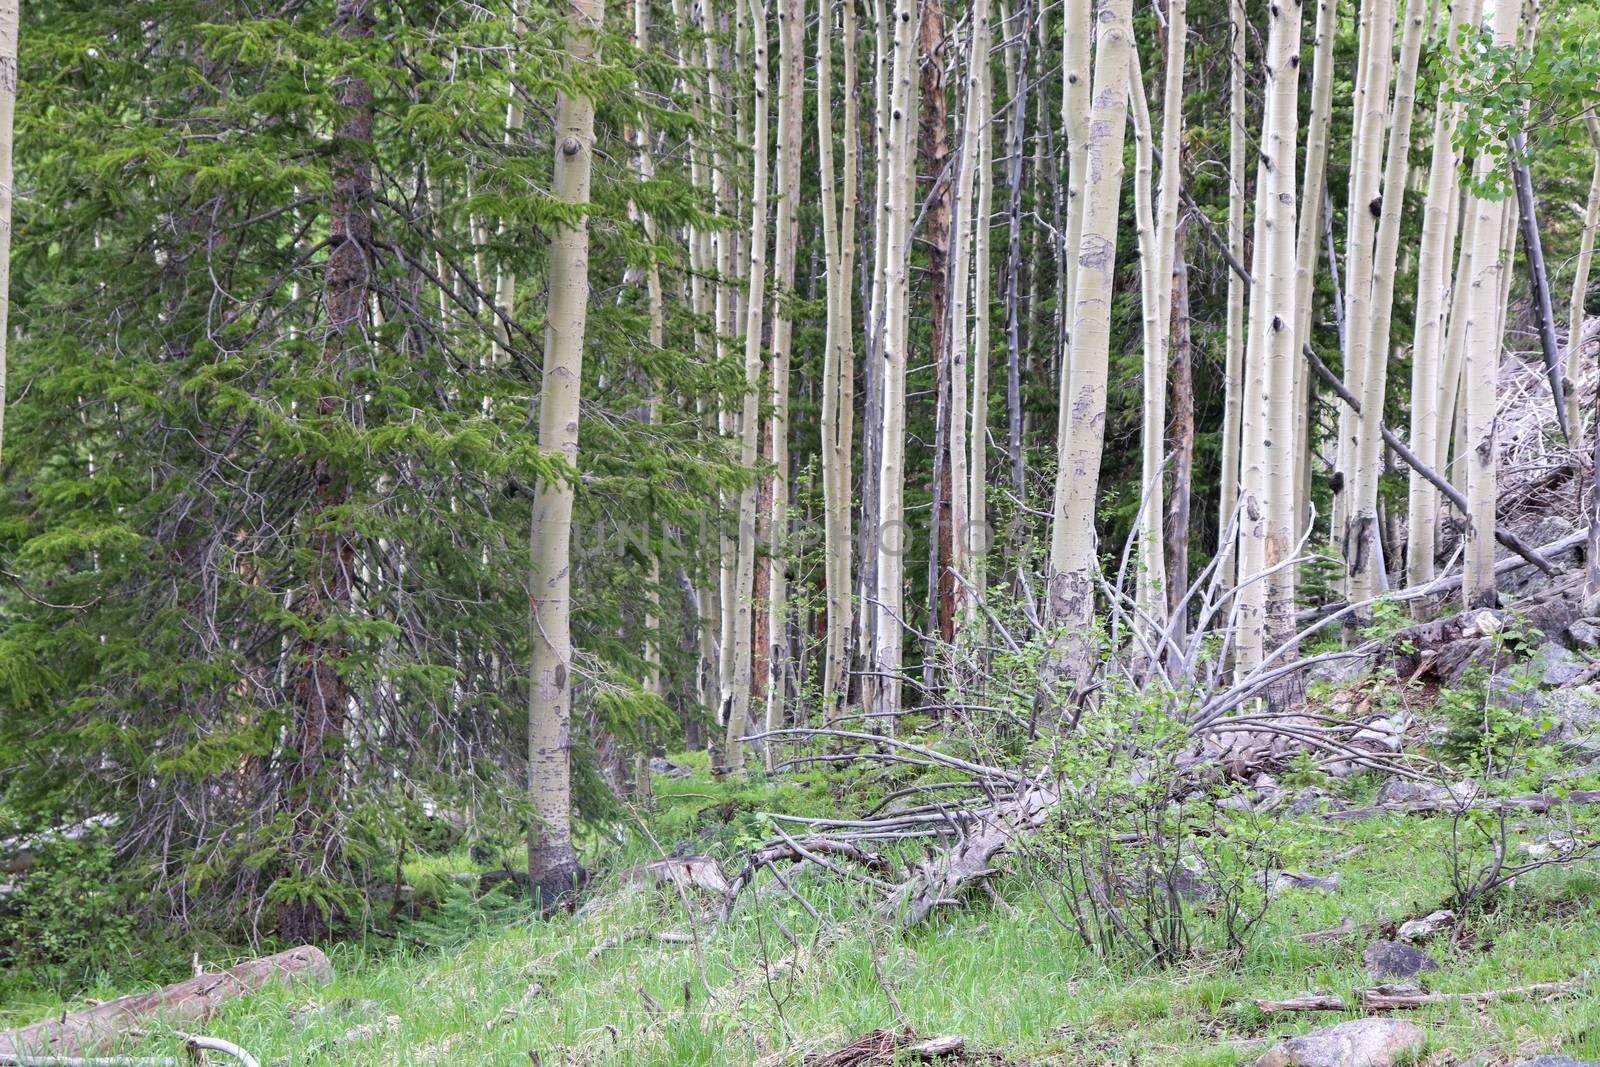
(1580, 287)
(838, 228)
(1077, 35)
(1233, 359)
(9, 21)
(552, 861)
(736, 695)
(1481, 365)
(872, 423)
(1153, 397)
(960, 264)
(1451, 433)
(1308, 242)
(1278, 314)
(1362, 545)
(791, 70)
(1072, 536)
(1439, 222)
(894, 217)
(505, 280)
(1360, 531)
(978, 468)
(1359, 226)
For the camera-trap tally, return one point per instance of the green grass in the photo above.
(1001, 972)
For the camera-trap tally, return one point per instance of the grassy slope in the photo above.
(999, 971)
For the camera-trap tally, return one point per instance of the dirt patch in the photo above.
(882, 1048)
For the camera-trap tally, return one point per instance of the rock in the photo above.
(1405, 791)
(1558, 1061)
(1415, 930)
(1308, 801)
(1557, 666)
(1285, 880)
(1584, 633)
(1574, 717)
(1391, 959)
(1357, 1043)
(666, 768)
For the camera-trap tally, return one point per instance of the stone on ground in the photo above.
(1357, 1043)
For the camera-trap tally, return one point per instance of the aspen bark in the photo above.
(1181, 437)
(1309, 240)
(1153, 399)
(934, 156)
(1575, 314)
(1234, 341)
(838, 386)
(552, 861)
(883, 681)
(737, 687)
(1481, 364)
(1361, 549)
(1072, 537)
(9, 21)
(1439, 221)
(1077, 32)
(1278, 315)
(791, 70)
(1359, 442)
(978, 469)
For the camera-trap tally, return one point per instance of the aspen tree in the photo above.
(961, 256)
(1580, 288)
(737, 687)
(1072, 536)
(505, 279)
(1234, 342)
(791, 72)
(894, 216)
(552, 862)
(1153, 565)
(978, 468)
(1278, 314)
(933, 163)
(1439, 221)
(1154, 394)
(1360, 531)
(872, 413)
(1369, 105)
(1308, 242)
(9, 18)
(1361, 550)
(1077, 35)
(838, 228)
(1481, 363)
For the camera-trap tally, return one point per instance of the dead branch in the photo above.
(195, 1000)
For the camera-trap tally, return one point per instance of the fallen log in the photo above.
(195, 1000)
(1394, 998)
(1536, 803)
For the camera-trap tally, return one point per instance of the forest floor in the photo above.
(480, 983)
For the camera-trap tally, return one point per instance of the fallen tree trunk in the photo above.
(1536, 803)
(942, 879)
(1393, 998)
(195, 1000)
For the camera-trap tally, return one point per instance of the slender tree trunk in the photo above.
(791, 113)
(1308, 243)
(1234, 356)
(934, 160)
(505, 280)
(894, 216)
(9, 22)
(737, 692)
(1481, 366)
(321, 695)
(1580, 289)
(1180, 443)
(1072, 538)
(552, 861)
(1277, 315)
(1440, 217)
(1015, 129)
(838, 387)
(1361, 550)
(978, 469)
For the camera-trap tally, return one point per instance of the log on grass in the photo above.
(195, 1000)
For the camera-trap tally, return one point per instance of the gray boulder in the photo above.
(1558, 666)
(1357, 1043)
(1558, 1061)
(1584, 633)
(1574, 715)
(1392, 959)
